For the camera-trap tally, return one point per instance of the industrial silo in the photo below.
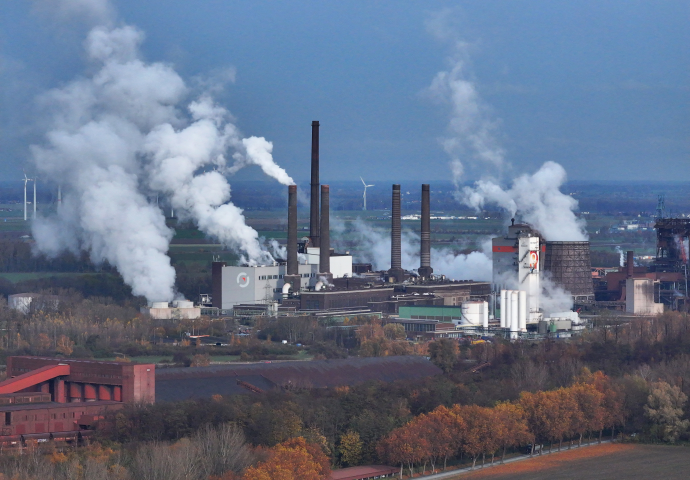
(569, 266)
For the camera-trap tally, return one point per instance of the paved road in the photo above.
(455, 473)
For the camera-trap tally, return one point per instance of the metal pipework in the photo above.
(325, 252)
(314, 210)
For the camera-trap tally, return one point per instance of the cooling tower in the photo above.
(569, 266)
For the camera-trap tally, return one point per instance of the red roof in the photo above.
(359, 473)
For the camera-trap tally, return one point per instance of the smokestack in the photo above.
(425, 269)
(630, 264)
(325, 253)
(217, 284)
(314, 211)
(292, 231)
(292, 275)
(396, 270)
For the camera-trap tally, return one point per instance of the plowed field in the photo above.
(614, 461)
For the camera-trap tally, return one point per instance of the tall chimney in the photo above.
(325, 253)
(292, 275)
(425, 269)
(217, 284)
(314, 211)
(396, 272)
(630, 264)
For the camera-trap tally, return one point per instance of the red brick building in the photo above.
(49, 398)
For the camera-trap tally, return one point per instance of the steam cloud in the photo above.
(374, 247)
(472, 141)
(121, 135)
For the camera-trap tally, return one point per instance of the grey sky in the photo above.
(600, 87)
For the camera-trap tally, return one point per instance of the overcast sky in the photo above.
(601, 87)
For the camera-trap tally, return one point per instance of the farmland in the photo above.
(605, 461)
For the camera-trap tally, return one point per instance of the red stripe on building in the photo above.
(498, 249)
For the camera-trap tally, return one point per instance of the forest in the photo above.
(625, 379)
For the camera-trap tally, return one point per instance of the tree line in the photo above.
(589, 405)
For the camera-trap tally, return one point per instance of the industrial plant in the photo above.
(537, 287)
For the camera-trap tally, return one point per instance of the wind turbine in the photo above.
(26, 180)
(34, 217)
(365, 193)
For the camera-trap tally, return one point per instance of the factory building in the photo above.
(648, 290)
(258, 284)
(524, 264)
(52, 398)
(175, 384)
(316, 280)
(33, 302)
(177, 310)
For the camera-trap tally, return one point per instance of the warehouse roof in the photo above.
(202, 382)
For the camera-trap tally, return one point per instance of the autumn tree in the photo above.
(65, 346)
(294, 459)
(443, 430)
(591, 413)
(665, 410)
(394, 331)
(510, 426)
(548, 415)
(444, 353)
(403, 447)
(612, 399)
(350, 448)
(478, 436)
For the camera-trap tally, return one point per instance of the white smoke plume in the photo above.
(621, 256)
(472, 141)
(471, 129)
(120, 135)
(538, 201)
(374, 246)
(554, 299)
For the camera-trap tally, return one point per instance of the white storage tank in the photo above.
(504, 308)
(514, 310)
(473, 313)
(522, 306)
(159, 305)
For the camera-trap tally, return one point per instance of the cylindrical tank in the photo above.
(522, 307)
(514, 311)
(473, 313)
(159, 305)
(504, 307)
(485, 322)
(183, 304)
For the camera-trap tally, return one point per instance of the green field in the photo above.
(23, 276)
